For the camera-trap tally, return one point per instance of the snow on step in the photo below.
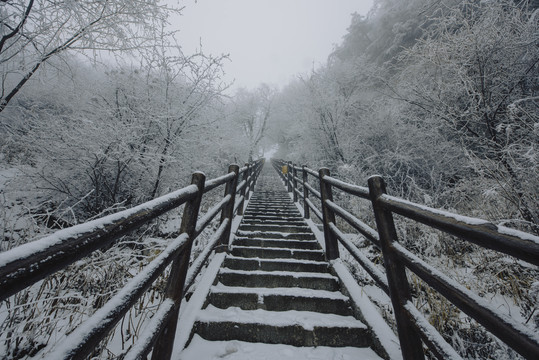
(276, 234)
(290, 264)
(272, 211)
(278, 243)
(273, 222)
(275, 279)
(284, 241)
(271, 252)
(267, 217)
(293, 291)
(240, 350)
(287, 305)
(283, 260)
(295, 274)
(278, 207)
(308, 320)
(263, 248)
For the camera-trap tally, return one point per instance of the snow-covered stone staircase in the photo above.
(274, 296)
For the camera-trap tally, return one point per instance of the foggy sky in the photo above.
(268, 40)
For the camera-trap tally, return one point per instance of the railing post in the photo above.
(245, 178)
(306, 209)
(399, 289)
(289, 176)
(332, 248)
(248, 179)
(295, 182)
(228, 210)
(176, 280)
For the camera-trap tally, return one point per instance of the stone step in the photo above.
(252, 221)
(241, 263)
(288, 206)
(276, 228)
(280, 299)
(275, 208)
(277, 243)
(276, 279)
(272, 195)
(200, 348)
(267, 217)
(277, 253)
(277, 205)
(276, 235)
(275, 289)
(274, 216)
(262, 211)
(297, 328)
(272, 198)
(271, 201)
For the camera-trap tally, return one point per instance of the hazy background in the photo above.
(268, 40)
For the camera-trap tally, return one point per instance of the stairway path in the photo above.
(274, 296)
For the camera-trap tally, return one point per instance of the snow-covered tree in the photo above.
(474, 75)
(34, 31)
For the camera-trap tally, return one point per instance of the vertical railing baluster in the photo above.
(248, 186)
(178, 271)
(399, 289)
(332, 248)
(252, 176)
(306, 209)
(228, 210)
(245, 178)
(289, 176)
(295, 182)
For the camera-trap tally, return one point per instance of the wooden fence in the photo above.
(25, 265)
(413, 329)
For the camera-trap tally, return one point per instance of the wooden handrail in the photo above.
(483, 233)
(413, 329)
(25, 265)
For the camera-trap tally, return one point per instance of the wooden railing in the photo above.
(25, 265)
(413, 329)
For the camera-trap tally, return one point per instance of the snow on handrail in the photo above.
(241, 185)
(481, 232)
(22, 266)
(88, 335)
(201, 259)
(430, 335)
(359, 225)
(312, 172)
(314, 209)
(313, 191)
(213, 183)
(521, 338)
(352, 189)
(522, 245)
(210, 214)
(142, 347)
(375, 273)
(238, 203)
